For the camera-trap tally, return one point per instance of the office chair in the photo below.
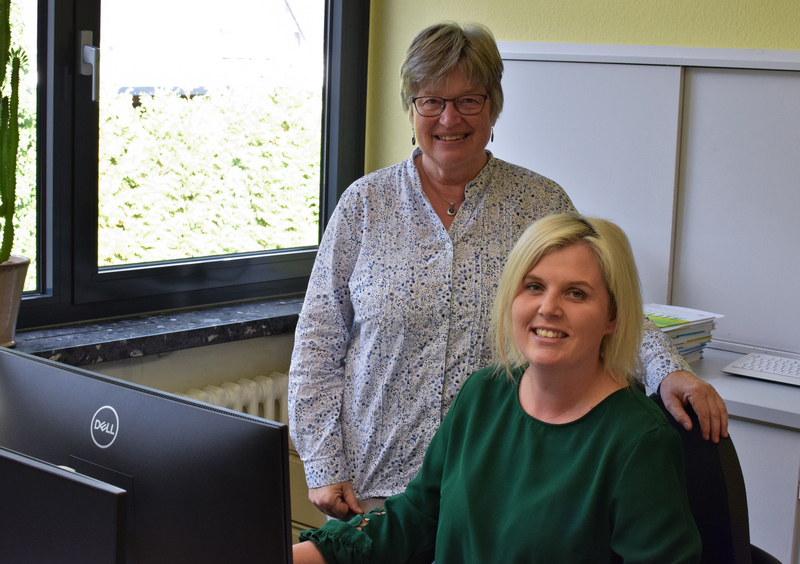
(717, 496)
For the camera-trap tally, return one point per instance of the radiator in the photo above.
(262, 396)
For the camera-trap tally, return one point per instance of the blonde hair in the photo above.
(439, 49)
(618, 350)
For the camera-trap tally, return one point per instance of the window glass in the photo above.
(210, 128)
(220, 144)
(23, 35)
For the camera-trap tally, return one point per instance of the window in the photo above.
(213, 149)
(166, 147)
(23, 35)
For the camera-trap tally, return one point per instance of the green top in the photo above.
(498, 485)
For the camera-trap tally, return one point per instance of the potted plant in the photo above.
(13, 269)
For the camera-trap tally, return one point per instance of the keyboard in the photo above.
(766, 367)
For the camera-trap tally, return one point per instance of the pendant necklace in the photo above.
(451, 211)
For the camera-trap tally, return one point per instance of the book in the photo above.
(689, 329)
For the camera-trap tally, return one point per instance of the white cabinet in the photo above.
(765, 428)
(770, 459)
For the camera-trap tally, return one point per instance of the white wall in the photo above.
(213, 364)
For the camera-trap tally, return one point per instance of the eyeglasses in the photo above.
(467, 105)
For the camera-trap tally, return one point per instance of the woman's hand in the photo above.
(680, 388)
(336, 500)
(306, 553)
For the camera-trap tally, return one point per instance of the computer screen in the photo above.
(203, 484)
(49, 514)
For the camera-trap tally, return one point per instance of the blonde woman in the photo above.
(553, 455)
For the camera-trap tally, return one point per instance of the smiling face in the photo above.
(453, 144)
(561, 311)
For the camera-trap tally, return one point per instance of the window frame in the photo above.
(73, 288)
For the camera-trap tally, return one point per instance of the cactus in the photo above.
(9, 128)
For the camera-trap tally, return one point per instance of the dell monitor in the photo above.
(202, 483)
(51, 514)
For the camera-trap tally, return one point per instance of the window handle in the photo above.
(89, 62)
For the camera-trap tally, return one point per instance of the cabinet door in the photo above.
(607, 134)
(770, 459)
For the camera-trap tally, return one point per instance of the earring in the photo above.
(413, 138)
(493, 135)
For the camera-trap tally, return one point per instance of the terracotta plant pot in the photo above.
(12, 280)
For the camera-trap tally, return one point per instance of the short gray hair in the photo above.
(440, 48)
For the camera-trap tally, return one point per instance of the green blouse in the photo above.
(498, 485)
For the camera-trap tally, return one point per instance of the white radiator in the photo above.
(262, 396)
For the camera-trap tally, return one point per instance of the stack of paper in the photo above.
(689, 329)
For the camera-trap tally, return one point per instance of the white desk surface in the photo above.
(747, 398)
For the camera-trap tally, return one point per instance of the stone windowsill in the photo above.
(148, 334)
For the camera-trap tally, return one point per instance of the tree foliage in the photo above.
(23, 31)
(230, 171)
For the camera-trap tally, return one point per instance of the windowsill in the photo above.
(148, 334)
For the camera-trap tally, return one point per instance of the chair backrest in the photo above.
(717, 494)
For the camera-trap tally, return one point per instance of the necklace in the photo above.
(451, 211)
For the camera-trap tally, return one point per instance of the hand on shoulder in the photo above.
(681, 388)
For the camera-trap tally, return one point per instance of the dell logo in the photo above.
(105, 426)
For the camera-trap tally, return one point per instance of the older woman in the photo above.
(396, 315)
(549, 456)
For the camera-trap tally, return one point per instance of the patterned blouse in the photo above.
(396, 317)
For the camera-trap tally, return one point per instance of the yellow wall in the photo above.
(743, 24)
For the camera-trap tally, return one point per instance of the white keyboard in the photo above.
(766, 367)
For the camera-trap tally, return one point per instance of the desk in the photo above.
(765, 427)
